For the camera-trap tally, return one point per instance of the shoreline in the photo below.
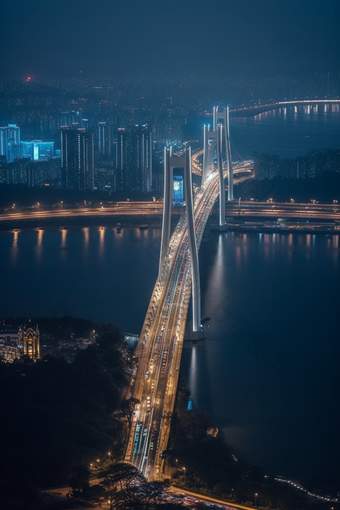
(141, 222)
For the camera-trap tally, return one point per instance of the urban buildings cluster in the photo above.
(17, 342)
(102, 158)
(85, 143)
(110, 134)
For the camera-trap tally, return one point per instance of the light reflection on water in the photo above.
(286, 286)
(288, 292)
(287, 135)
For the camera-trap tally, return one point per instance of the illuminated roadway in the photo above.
(154, 209)
(290, 210)
(160, 345)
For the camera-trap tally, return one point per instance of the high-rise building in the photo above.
(10, 142)
(133, 159)
(122, 159)
(77, 158)
(104, 140)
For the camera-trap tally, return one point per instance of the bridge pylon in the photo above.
(171, 162)
(222, 118)
(167, 204)
(217, 141)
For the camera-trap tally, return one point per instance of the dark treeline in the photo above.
(59, 415)
(310, 165)
(323, 188)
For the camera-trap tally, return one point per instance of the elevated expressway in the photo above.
(160, 345)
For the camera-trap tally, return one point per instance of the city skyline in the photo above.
(170, 232)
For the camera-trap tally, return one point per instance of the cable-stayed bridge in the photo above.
(160, 345)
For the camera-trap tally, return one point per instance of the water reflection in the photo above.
(193, 376)
(63, 237)
(14, 250)
(101, 240)
(86, 231)
(39, 247)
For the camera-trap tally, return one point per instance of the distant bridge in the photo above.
(305, 105)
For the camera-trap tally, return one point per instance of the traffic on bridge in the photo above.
(159, 350)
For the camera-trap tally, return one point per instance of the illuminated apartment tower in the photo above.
(31, 343)
(77, 158)
(122, 159)
(133, 159)
(104, 139)
(10, 142)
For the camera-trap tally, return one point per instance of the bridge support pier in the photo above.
(195, 274)
(171, 162)
(167, 204)
(230, 165)
(224, 116)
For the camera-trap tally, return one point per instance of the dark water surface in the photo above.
(268, 370)
(287, 135)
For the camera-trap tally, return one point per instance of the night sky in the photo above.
(168, 37)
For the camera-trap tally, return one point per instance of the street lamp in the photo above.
(256, 498)
(61, 204)
(38, 205)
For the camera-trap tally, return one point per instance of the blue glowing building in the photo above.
(37, 150)
(10, 142)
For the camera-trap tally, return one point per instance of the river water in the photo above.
(268, 369)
